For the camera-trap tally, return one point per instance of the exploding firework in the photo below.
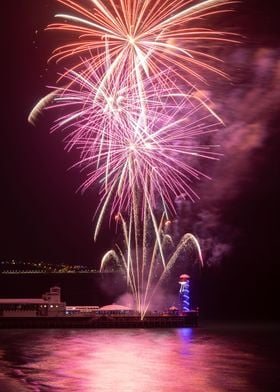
(143, 36)
(131, 105)
(135, 155)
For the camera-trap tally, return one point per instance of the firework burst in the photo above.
(145, 36)
(131, 105)
(131, 151)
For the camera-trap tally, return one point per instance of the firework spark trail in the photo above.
(187, 240)
(33, 115)
(152, 277)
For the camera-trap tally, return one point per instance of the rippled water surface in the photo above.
(208, 358)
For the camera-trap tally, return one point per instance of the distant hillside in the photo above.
(14, 266)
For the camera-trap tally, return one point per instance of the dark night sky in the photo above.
(44, 218)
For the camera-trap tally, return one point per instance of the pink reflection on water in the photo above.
(132, 361)
(119, 361)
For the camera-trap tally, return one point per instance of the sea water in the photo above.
(210, 358)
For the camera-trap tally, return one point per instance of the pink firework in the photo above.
(132, 106)
(135, 144)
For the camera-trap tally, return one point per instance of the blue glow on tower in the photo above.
(184, 293)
